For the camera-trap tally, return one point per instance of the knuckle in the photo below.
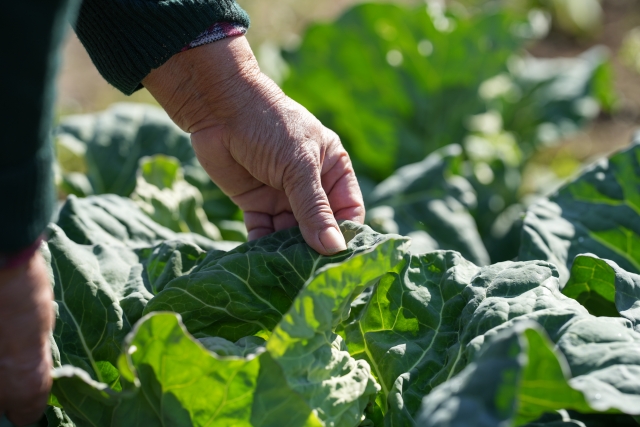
(332, 137)
(307, 160)
(301, 170)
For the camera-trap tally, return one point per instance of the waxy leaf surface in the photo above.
(303, 373)
(430, 196)
(421, 326)
(598, 213)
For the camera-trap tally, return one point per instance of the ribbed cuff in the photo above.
(218, 31)
(126, 39)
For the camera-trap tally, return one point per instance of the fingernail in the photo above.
(332, 240)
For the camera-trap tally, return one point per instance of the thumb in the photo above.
(311, 208)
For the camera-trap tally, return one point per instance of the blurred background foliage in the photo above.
(502, 99)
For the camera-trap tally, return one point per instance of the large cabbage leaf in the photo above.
(305, 373)
(535, 379)
(247, 290)
(99, 295)
(532, 377)
(117, 221)
(430, 200)
(432, 330)
(604, 288)
(598, 212)
(162, 369)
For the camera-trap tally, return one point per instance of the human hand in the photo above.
(26, 319)
(275, 160)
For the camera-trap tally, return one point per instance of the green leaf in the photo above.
(250, 288)
(593, 284)
(99, 294)
(275, 402)
(170, 379)
(431, 197)
(163, 194)
(604, 288)
(167, 261)
(92, 144)
(427, 64)
(543, 385)
(100, 291)
(532, 381)
(601, 352)
(320, 306)
(420, 327)
(117, 221)
(405, 331)
(86, 402)
(417, 327)
(587, 370)
(185, 384)
(598, 213)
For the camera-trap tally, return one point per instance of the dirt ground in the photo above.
(81, 89)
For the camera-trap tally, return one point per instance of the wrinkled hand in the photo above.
(275, 160)
(26, 318)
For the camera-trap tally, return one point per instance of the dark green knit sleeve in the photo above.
(126, 39)
(33, 31)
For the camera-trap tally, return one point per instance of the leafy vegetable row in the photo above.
(434, 325)
(375, 335)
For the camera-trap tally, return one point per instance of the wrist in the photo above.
(209, 85)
